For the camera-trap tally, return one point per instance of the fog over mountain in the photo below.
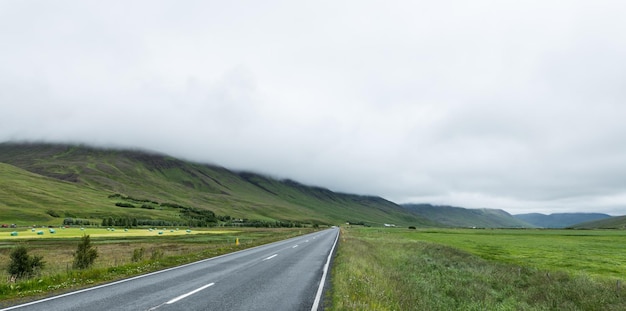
(482, 104)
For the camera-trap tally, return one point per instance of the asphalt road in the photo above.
(285, 275)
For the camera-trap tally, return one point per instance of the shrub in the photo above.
(22, 264)
(138, 254)
(53, 213)
(156, 254)
(85, 253)
(412, 227)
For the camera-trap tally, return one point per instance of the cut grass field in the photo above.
(115, 255)
(397, 269)
(46, 233)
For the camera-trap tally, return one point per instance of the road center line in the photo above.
(295, 246)
(188, 294)
(270, 257)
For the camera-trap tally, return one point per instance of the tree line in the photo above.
(190, 216)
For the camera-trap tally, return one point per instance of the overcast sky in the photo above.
(519, 105)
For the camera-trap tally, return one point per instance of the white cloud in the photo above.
(514, 105)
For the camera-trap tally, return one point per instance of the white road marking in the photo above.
(295, 246)
(188, 294)
(320, 289)
(270, 257)
(307, 241)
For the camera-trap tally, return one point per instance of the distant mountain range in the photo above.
(467, 218)
(559, 220)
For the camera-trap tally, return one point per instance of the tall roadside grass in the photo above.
(388, 272)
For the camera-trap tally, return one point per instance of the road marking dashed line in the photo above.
(270, 257)
(188, 294)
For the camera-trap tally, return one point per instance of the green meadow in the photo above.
(449, 269)
(598, 253)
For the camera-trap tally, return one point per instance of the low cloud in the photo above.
(484, 104)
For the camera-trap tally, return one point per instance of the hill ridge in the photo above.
(467, 218)
(559, 220)
(614, 222)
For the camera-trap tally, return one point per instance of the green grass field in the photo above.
(589, 252)
(442, 269)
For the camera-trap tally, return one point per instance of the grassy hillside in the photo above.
(467, 218)
(559, 220)
(618, 222)
(81, 182)
(28, 196)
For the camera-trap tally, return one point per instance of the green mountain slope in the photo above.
(81, 182)
(617, 222)
(28, 196)
(559, 220)
(463, 217)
